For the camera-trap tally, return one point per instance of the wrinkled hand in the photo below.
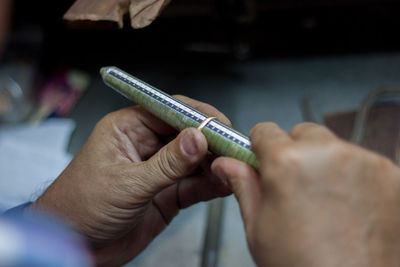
(317, 200)
(124, 186)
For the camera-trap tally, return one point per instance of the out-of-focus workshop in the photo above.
(332, 62)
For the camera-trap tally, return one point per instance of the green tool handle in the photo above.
(217, 142)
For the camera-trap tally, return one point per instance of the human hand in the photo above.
(124, 186)
(316, 200)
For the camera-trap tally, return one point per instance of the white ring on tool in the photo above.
(205, 122)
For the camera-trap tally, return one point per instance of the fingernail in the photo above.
(189, 144)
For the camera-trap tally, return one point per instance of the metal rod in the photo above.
(210, 253)
(222, 140)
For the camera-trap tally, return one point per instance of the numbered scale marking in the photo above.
(180, 107)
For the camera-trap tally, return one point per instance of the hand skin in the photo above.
(121, 190)
(316, 200)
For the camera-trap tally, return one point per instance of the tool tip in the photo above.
(102, 71)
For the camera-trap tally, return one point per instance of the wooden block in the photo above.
(99, 12)
(143, 12)
(110, 13)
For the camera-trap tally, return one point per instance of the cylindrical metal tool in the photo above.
(222, 140)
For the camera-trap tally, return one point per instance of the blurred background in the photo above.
(330, 61)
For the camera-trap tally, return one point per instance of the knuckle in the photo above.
(111, 117)
(106, 119)
(310, 129)
(210, 110)
(341, 151)
(168, 165)
(284, 162)
(204, 107)
(114, 114)
(285, 155)
(179, 96)
(262, 126)
(102, 125)
(303, 128)
(298, 129)
(377, 162)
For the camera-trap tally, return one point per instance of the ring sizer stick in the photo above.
(222, 139)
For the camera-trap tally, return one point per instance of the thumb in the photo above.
(244, 183)
(174, 161)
